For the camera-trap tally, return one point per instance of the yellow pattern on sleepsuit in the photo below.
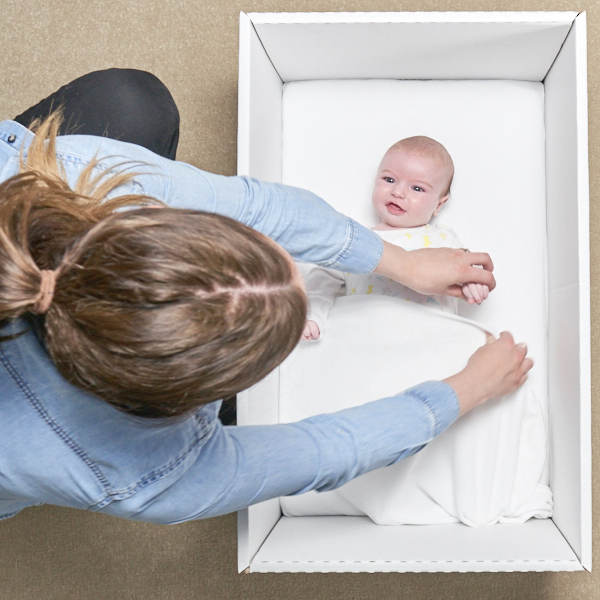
(426, 241)
(370, 289)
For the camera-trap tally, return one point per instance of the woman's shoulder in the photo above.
(70, 447)
(75, 152)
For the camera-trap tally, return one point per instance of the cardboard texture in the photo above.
(51, 552)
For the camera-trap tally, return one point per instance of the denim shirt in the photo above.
(64, 446)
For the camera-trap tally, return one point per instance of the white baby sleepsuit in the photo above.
(323, 285)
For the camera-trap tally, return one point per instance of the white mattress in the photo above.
(334, 134)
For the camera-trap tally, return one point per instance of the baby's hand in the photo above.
(311, 331)
(475, 292)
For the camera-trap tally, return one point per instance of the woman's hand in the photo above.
(442, 271)
(499, 367)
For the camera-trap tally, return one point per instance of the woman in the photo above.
(123, 329)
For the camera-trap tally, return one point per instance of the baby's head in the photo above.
(413, 182)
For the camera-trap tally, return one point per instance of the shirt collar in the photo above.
(14, 134)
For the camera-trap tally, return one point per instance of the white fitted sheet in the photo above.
(334, 134)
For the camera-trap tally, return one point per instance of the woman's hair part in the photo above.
(154, 311)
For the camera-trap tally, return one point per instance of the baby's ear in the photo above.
(441, 202)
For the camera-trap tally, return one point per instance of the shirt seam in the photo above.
(318, 475)
(197, 172)
(74, 158)
(154, 475)
(215, 502)
(246, 207)
(43, 413)
(430, 411)
(212, 189)
(158, 473)
(343, 253)
(110, 494)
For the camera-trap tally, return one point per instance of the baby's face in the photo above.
(408, 189)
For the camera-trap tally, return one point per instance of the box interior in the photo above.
(264, 68)
(334, 135)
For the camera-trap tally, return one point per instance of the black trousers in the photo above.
(123, 104)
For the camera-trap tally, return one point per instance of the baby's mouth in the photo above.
(394, 208)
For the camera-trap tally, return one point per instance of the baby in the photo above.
(413, 183)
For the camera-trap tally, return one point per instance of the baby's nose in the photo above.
(398, 191)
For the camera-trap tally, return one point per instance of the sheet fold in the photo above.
(485, 468)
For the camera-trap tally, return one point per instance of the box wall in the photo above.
(255, 522)
(259, 109)
(568, 292)
(382, 46)
(344, 543)
(259, 155)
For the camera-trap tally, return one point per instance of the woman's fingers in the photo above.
(456, 291)
(507, 336)
(478, 275)
(479, 269)
(480, 258)
(527, 365)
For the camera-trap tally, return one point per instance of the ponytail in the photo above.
(154, 311)
(39, 212)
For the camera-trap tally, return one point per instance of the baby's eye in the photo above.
(418, 188)
(388, 179)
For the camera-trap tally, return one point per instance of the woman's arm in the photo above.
(244, 465)
(304, 224)
(240, 466)
(313, 231)
(436, 270)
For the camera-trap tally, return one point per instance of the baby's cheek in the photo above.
(377, 192)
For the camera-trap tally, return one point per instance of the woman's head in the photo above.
(155, 311)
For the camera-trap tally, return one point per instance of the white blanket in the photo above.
(485, 468)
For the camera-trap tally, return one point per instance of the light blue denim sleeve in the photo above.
(243, 465)
(304, 224)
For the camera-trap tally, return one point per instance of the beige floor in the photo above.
(63, 554)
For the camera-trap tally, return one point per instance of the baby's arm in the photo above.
(323, 285)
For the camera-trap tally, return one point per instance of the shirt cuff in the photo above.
(362, 252)
(441, 400)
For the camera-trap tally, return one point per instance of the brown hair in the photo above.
(154, 311)
(421, 144)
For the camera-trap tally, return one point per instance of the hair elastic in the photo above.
(44, 298)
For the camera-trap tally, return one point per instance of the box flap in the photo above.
(356, 544)
(569, 291)
(460, 45)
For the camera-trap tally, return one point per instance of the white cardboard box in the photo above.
(277, 48)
